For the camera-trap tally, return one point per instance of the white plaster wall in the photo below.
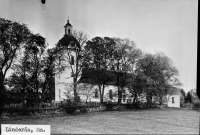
(176, 101)
(67, 28)
(106, 96)
(65, 77)
(60, 81)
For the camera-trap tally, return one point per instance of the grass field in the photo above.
(156, 121)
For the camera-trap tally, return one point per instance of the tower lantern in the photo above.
(68, 28)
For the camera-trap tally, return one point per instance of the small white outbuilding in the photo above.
(173, 97)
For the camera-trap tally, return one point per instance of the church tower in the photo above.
(68, 28)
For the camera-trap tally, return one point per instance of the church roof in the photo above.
(92, 76)
(67, 40)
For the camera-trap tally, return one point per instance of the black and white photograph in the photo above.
(98, 67)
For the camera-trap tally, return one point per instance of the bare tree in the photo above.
(86, 90)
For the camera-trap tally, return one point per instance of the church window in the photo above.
(110, 94)
(124, 98)
(69, 31)
(96, 93)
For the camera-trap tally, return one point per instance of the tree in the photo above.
(13, 36)
(188, 98)
(86, 90)
(159, 73)
(183, 96)
(100, 53)
(19, 79)
(125, 56)
(34, 54)
(53, 64)
(136, 87)
(48, 85)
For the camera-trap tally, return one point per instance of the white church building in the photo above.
(65, 79)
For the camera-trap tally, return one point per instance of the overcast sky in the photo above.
(168, 26)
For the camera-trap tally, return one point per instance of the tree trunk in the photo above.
(135, 97)
(2, 93)
(160, 101)
(100, 94)
(119, 89)
(119, 95)
(150, 100)
(75, 87)
(37, 89)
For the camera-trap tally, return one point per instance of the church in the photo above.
(64, 81)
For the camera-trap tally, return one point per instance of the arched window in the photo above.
(110, 94)
(124, 98)
(69, 31)
(96, 93)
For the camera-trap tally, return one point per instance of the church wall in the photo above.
(60, 81)
(65, 78)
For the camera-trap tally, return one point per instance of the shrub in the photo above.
(189, 105)
(155, 105)
(109, 106)
(139, 105)
(183, 105)
(131, 106)
(69, 107)
(119, 107)
(83, 109)
(196, 105)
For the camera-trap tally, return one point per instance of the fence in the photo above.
(52, 105)
(11, 110)
(31, 106)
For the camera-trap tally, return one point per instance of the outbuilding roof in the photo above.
(173, 91)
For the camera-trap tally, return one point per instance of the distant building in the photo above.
(173, 97)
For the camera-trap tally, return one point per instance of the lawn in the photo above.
(155, 121)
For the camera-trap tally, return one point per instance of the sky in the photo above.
(168, 26)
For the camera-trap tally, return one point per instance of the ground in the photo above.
(155, 121)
